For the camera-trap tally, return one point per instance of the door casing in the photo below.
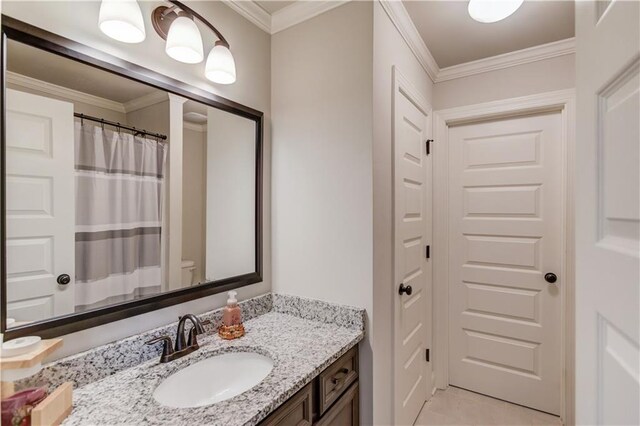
(562, 101)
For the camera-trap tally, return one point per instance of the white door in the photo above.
(506, 219)
(608, 213)
(412, 230)
(40, 206)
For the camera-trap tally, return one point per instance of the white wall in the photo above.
(389, 49)
(527, 79)
(322, 152)
(251, 49)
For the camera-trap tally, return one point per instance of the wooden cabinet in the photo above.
(332, 398)
(296, 411)
(345, 412)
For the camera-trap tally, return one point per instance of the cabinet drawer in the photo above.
(345, 412)
(296, 411)
(336, 379)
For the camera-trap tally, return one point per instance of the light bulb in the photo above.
(221, 67)
(489, 11)
(122, 20)
(184, 42)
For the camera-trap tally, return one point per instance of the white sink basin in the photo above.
(213, 380)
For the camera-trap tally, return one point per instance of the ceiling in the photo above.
(272, 6)
(454, 38)
(41, 65)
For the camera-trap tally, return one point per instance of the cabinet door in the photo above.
(297, 411)
(345, 412)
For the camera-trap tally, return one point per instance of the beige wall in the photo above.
(322, 183)
(251, 48)
(193, 198)
(528, 79)
(389, 49)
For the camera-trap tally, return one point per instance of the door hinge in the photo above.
(428, 143)
(428, 252)
(428, 357)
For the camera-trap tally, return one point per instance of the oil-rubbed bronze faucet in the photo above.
(182, 347)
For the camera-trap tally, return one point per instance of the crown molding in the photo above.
(402, 21)
(146, 101)
(63, 92)
(254, 13)
(284, 18)
(506, 60)
(301, 11)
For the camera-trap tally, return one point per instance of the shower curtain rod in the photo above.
(120, 126)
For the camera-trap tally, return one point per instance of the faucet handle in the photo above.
(167, 350)
(192, 341)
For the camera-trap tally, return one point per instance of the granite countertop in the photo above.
(300, 349)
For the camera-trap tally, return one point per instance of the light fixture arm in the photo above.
(199, 17)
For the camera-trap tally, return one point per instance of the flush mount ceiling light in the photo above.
(488, 11)
(122, 20)
(177, 25)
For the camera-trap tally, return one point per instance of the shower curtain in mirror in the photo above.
(119, 192)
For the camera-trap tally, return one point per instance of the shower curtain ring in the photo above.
(118, 126)
(102, 123)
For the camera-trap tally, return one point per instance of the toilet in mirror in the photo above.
(117, 191)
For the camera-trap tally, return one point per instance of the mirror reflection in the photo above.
(116, 190)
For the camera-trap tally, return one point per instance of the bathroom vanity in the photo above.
(313, 346)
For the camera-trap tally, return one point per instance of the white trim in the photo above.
(146, 101)
(254, 13)
(510, 59)
(63, 92)
(284, 18)
(301, 11)
(403, 22)
(564, 102)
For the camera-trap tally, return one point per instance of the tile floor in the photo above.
(456, 406)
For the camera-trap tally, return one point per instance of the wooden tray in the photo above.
(32, 358)
(55, 408)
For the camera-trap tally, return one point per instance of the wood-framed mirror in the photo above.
(89, 188)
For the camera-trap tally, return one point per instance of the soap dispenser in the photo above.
(231, 327)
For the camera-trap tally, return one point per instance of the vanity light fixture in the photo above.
(489, 11)
(122, 21)
(176, 24)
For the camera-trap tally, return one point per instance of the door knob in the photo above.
(406, 289)
(63, 279)
(550, 277)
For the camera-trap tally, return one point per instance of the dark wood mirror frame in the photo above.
(33, 36)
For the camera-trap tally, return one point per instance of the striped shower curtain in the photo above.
(119, 192)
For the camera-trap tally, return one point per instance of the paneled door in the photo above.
(412, 233)
(40, 206)
(608, 213)
(506, 260)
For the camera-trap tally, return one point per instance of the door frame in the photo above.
(562, 101)
(402, 86)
